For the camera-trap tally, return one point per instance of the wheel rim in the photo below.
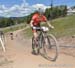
(50, 48)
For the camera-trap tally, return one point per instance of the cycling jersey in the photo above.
(37, 19)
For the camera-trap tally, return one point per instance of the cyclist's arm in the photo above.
(32, 20)
(49, 24)
(31, 23)
(45, 20)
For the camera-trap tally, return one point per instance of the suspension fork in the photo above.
(41, 39)
(45, 37)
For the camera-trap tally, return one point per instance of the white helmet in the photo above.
(40, 10)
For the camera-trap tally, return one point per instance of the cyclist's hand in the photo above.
(51, 27)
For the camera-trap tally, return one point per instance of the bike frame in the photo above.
(43, 34)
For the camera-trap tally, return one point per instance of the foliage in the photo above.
(55, 12)
(5, 22)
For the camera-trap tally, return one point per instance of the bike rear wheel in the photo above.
(50, 47)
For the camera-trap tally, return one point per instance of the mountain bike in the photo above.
(47, 44)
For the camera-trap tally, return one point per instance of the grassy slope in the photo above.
(63, 27)
(13, 28)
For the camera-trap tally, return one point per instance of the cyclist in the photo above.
(2, 40)
(38, 18)
(11, 35)
(2, 34)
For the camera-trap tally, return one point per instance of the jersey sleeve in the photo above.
(34, 17)
(44, 18)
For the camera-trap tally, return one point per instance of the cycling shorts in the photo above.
(35, 30)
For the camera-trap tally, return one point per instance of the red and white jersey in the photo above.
(37, 19)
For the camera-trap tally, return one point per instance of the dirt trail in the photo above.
(18, 55)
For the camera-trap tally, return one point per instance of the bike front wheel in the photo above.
(50, 47)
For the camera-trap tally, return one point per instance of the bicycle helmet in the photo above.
(40, 11)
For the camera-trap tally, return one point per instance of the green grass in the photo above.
(64, 26)
(13, 28)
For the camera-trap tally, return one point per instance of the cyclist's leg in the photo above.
(2, 43)
(3, 38)
(35, 36)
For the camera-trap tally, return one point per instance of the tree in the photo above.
(56, 12)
